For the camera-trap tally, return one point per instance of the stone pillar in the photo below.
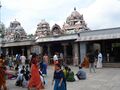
(75, 54)
(41, 49)
(23, 50)
(48, 48)
(12, 51)
(7, 51)
(65, 51)
(28, 51)
(82, 51)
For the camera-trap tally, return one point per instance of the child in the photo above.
(41, 77)
(19, 79)
(59, 79)
(70, 76)
(26, 77)
(65, 71)
(20, 76)
(44, 69)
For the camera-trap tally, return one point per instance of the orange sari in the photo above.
(85, 63)
(35, 80)
(2, 74)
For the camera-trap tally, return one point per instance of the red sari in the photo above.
(2, 74)
(35, 80)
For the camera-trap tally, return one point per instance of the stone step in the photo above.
(111, 65)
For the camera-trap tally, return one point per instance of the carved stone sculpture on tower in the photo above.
(15, 32)
(56, 30)
(43, 29)
(74, 23)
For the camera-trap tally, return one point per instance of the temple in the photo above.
(75, 23)
(73, 40)
(43, 29)
(15, 32)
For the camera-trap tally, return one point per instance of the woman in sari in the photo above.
(2, 75)
(85, 63)
(35, 80)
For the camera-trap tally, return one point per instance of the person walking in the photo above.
(35, 80)
(23, 59)
(96, 57)
(91, 61)
(59, 79)
(46, 59)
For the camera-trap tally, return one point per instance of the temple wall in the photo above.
(83, 49)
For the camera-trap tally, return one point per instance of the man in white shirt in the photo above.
(29, 58)
(23, 59)
(55, 58)
(99, 62)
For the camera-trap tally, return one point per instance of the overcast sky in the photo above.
(98, 14)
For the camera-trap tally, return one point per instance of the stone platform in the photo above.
(103, 79)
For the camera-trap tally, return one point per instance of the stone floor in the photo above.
(103, 79)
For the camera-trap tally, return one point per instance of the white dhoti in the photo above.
(99, 62)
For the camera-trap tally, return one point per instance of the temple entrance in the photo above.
(115, 52)
(50, 49)
(65, 49)
(69, 54)
(17, 50)
(110, 50)
(45, 49)
(56, 47)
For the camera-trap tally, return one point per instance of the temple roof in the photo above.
(43, 25)
(15, 32)
(74, 21)
(16, 22)
(19, 28)
(43, 22)
(75, 14)
(56, 26)
(43, 29)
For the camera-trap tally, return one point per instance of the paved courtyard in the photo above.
(103, 79)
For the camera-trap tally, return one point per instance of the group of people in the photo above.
(28, 75)
(29, 79)
(61, 76)
(23, 76)
(35, 76)
(93, 60)
(17, 59)
(31, 75)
